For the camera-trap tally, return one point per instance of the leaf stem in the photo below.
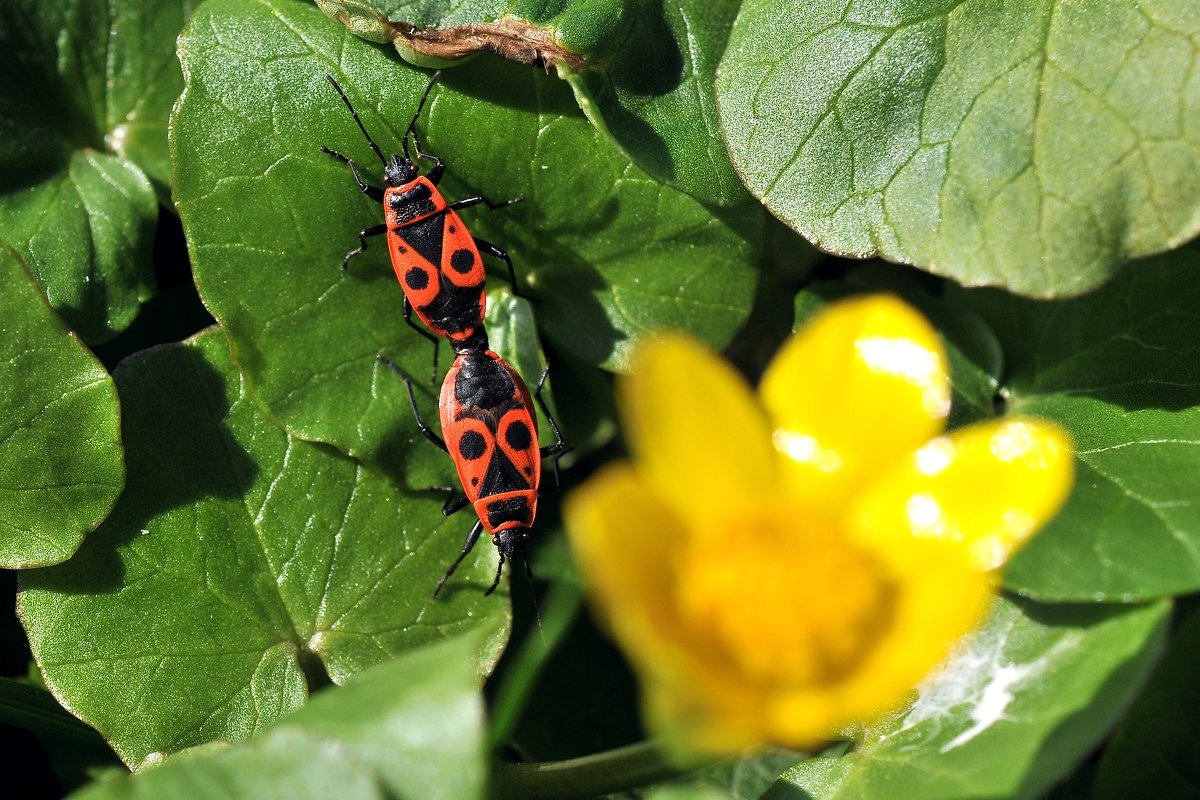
(602, 773)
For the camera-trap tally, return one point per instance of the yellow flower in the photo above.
(777, 568)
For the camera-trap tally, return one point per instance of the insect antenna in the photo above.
(537, 612)
(412, 126)
(354, 114)
(496, 582)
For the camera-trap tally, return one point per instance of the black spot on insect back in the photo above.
(472, 445)
(416, 278)
(518, 435)
(462, 261)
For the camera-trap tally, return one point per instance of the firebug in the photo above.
(491, 433)
(435, 257)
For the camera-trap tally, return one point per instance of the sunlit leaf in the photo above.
(240, 568)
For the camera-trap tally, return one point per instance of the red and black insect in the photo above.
(435, 257)
(491, 432)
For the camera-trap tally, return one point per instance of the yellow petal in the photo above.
(694, 426)
(942, 598)
(984, 489)
(875, 622)
(624, 539)
(936, 598)
(687, 721)
(858, 387)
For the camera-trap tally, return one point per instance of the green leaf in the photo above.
(655, 95)
(425, 14)
(1153, 753)
(60, 440)
(642, 70)
(583, 28)
(1034, 145)
(607, 252)
(239, 568)
(1010, 713)
(409, 729)
(83, 110)
(689, 792)
(737, 779)
(1118, 368)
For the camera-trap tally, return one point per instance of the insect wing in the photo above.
(415, 251)
(460, 263)
(472, 446)
(517, 438)
(468, 439)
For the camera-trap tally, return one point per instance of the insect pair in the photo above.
(486, 411)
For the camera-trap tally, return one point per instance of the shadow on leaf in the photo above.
(179, 454)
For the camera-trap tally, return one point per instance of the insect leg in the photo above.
(454, 501)
(554, 451)
(426, 431)
(454, 504)
(406, 314)
(434, 175)
(437, 170)
(496, 582)
(374, 230)
(472, 538)
(491, 249)
(559, 447)
(373, 192)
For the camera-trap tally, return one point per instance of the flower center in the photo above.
(786, 600)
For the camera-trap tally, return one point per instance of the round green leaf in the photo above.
(1011, 712)
(409, 729)
(1118, 368)
(238, 562)
(607, 252)
(425, 14)
(83, 110)
(60, 444)
(1035, 145)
